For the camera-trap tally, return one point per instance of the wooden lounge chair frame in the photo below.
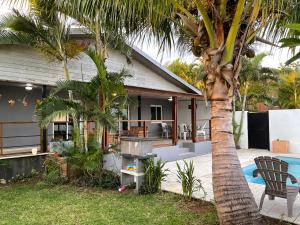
(275, 174)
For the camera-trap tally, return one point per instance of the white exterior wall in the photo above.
(244, 136)
(184, 113)
(21, 64)
(285, 125)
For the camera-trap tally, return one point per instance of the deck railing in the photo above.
(15, 135)
(140, 128)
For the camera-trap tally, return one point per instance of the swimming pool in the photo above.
(294, 169)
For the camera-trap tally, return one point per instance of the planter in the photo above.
(66, 169)
(64, 166)
(280, 146)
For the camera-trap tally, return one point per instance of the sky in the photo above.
(276, 57)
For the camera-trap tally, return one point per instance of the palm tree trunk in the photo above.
(85, 135)
(234, 200)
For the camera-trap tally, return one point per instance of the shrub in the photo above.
(90, 163)
(154, 175)
(188, 181)
(51, 175)
(110, 180)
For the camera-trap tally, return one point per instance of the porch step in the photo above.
(186, 155)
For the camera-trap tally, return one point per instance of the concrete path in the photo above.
(203, 171)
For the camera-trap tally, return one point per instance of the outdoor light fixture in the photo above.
(114, 94)
(170, 99)
(28, 87)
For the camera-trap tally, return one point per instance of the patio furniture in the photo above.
(275, 174)
(165, 130)
(201, 130)
(183, 131)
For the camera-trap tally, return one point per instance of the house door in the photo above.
(258, 130)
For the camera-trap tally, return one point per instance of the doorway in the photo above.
(258, 130)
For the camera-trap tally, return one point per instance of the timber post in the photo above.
(174, 118)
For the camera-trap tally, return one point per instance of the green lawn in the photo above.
(38, 204)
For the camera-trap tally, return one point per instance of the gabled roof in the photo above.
(148, 61)
(145, 59)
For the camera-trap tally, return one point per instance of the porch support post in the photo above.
(44, 131)
(194, 119)
(1, 138)
(144, 129)
(105, 135)
(139, 110)
(174, 118)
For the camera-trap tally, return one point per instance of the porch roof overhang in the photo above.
(160, 93)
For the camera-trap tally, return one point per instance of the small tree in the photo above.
(85, 103)
(192, 73)
(289, 90)
(252, 75)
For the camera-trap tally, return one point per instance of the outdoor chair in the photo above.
(201, 130)
(165, 130)
(182, 131)
(275, 174)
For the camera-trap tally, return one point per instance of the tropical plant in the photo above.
(43, 28)
(252, 74)
(289, 90)
(192, 73)
(292, 42)
(189, 183)
(154, 175)
(85, 104)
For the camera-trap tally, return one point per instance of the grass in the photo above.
(38, 204)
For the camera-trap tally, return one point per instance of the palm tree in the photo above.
(292, 42)
(47, 28)
(220, 32)
(289, 90)
(192, 73)
(251, 74)
(43, 28)
(84, 104)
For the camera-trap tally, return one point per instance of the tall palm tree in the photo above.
(44, 28)
(220, 32)
(49, 30)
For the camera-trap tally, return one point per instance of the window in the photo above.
(156, 112)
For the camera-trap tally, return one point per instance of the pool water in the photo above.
(294, 169)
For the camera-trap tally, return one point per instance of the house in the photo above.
(166, 104)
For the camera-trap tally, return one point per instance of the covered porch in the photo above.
(169, 117)
(172, 118)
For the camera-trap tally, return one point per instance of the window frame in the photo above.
(161, 112)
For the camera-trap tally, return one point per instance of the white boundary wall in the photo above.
(285, 125)
(244, 136)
